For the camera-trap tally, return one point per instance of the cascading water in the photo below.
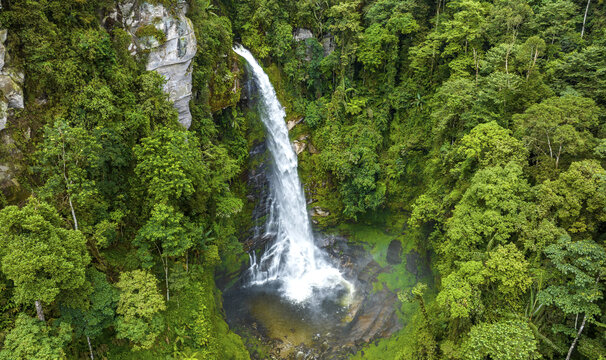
(292, 260)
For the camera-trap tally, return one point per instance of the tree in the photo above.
(451, 107)
(503, 340)
(487, 145)
(579, 267)
(576, 199)
(558, 126)
(44, 260)
(33, 339)
(491, 211)
(583, 70)
(70, 159)
(138, 309)
(507, 267)
(170, 166)
(461, 294)
(463, 35)
(99, 315)
(351, 157)
(425, 346)
(376, 47)
(556, 19)
(168, 232)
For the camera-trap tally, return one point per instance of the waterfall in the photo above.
(292, 260)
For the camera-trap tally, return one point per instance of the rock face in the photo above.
(329, 45)
(10, 84)
(172, 56)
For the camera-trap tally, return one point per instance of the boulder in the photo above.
(394, 252)
(298, 146)
(172, 56)
(302, 34)
(329, 45)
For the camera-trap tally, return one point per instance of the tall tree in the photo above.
(100, 313)
(33, 339)
(579, 284)
(138, 309)
(558, 127)
(44, 260)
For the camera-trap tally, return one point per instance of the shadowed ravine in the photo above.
(304, 295)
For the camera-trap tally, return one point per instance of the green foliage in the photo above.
(487, 145)
(477, 123)
(137, 309)
(169, 164)
(150, 31)
(558, 127)
(460, 292)
(33, 339)
(101, 312)
(507, 267)
(489, 213)
(507, 340)
(576, 199)
(44, 260)
(580, 264)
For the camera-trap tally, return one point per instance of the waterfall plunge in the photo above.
(292, 260)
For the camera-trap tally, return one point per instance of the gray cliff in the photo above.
(172, 56)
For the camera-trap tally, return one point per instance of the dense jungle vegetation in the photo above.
(475, 128)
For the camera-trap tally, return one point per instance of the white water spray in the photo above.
(292, 259)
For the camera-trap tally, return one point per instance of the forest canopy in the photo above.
(476, 128)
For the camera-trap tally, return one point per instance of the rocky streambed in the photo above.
(277, 329)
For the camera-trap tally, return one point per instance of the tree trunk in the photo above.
(574, 343)
(71, 206)
(475, 60)
(534, 61)
(585, 18)
(67, 183)
(39, 310)
(90, 348)
(166, 280)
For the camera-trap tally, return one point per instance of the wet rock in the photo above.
(172, 56)
(326, 241)
(377, 318)
(394, 252)
(412, 262)
(3, 35)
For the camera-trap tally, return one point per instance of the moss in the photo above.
(150, 31)
(286, 98)
(225, 90)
